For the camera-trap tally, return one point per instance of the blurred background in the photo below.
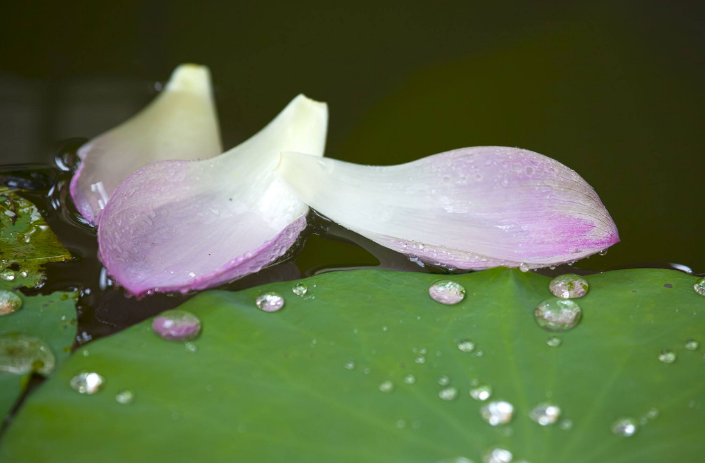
(612, 89)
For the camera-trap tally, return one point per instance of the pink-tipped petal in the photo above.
(183, 225)
(181, 123)
(471, 208)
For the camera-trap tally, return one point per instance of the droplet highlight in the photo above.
(447, 292)
(557, 314)
(87, 382)
(569, 286)
(626, 427)
(481, 393)
(177, 325)
(270, 302)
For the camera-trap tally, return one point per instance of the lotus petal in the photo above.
(181, 123)
(472, 208)
(182, 225)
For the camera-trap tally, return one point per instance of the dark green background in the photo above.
(611, 89)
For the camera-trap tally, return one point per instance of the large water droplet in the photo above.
(20, 354)
(9, 302)
(667, 356)
(497, 455)
(299, 289)
(692, 344)
(270, 302)
(386, 386)
(569, 286)
(7, 275)
(545, 414)
(466, 345)
(87, 382)
(496, 413)
(448, 393)
(447, 292)
(700, 287)
(557, 314)
(481, 393)
(624, 427)
(125, 397)
(177, 325)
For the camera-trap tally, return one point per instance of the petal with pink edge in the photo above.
(472, 208)
(181, 123)
(180, 225)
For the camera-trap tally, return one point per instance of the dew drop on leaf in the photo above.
(299, 289)
(270, 302)
(176, 325)
(386, 386)
(21, 354)
(557, 314)
(448, 393)
(545, 414)
(497, 455)
(497, 413)
(447, 292)
(124, 397)
(481, 393)
(624, 427)
(9, 302)
(667, 356)
(466, 345)
(569, 286)
(87, 382)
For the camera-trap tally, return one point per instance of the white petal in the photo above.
(181, 123)
(471, 208)
(178, 225)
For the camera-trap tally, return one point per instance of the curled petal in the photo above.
(180, 225)
(181, 123)
(472, 208)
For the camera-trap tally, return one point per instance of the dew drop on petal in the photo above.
(667, 356)
(497, 455)
(481, 393)
(497, 413)
(466, 345)
(545, 413)
(176, 325)
(21, 354)
(299, 289)
(557, 314)
(553, 341)
(692, 344)
(624, 427)
(87, 382)
(569, 286)
(270, 302)
(523, 267)
(125, 397)
(448, 393)
(9, 302)
(386, 386)
(700, 287)
(447, 292)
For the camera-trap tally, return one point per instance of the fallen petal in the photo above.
(181, 123)
(182, 225)
(471, 208)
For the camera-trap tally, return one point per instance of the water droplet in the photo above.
(479, 353)
(9, 302)
(523, 267)
(20, 354)
(700, 287)
(481, 393)
(624, 427)
(447, 292)
(299, 289)
(349, 365)
(385, 328)
(545, 414)
(553, 341)
(652, 413)
(667, 356)
(191, 347)
(455, 460)
(603, 252)
(125, 397)
(177, 325)
(466, 345)
(692, 344)
(497, 455)
(566, 424)
(270, 302)
(569, 286)
(496, 413)
(448, 393)
(401, 424)
(386, 386)
(409, 379)
(557, 314)
(87, 382)
(420, 359)
(444, 380)
(7, 275)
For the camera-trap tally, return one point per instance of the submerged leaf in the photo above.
(181, 123)
(471, 208)
(180, 225)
